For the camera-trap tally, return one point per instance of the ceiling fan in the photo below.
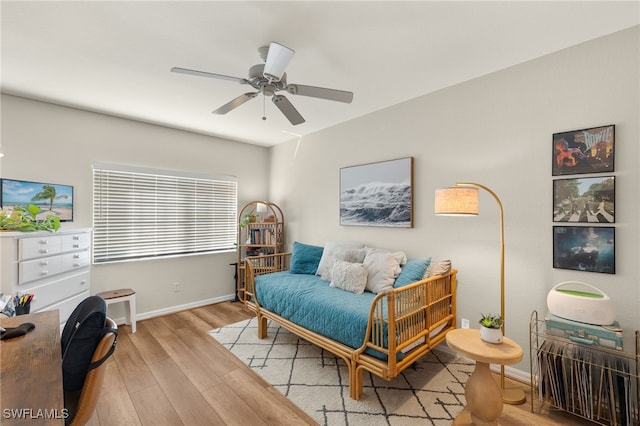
(270, 78)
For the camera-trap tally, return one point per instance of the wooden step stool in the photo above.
(126, 295)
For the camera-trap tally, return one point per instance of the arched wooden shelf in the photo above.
(260, 232)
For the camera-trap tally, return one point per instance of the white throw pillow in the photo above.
(384, 268)
(438, 268)
(341, 250)
(349, 276)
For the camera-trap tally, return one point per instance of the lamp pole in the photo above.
(509, 396)
(501, 211)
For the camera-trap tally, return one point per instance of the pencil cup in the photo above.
(23, 309)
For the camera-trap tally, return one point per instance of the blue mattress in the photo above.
(310, 302)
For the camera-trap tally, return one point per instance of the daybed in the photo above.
(383, 333)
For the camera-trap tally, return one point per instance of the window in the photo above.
(142, 214)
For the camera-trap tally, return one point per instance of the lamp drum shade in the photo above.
(261, 208)
(456, 201)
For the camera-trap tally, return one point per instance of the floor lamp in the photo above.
(462, 200)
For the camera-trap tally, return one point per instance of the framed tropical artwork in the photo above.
(51, 198)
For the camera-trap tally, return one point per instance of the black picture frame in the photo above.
(14, 192)
(583, 151)
(377, 194)
(584, 200)
(584, 248)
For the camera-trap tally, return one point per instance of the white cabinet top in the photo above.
(61, 231)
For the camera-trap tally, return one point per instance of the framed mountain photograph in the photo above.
(377, 194)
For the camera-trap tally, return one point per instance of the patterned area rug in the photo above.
(429, 392)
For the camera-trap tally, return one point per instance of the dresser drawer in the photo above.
(71, 261)
(74, 242)
(67, 306)
(58, 290)
(29, 248)
(39, 268)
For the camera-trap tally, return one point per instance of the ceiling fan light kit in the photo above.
(270, 78)
(278, 57)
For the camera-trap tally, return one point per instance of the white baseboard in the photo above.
(510, 372)
(177, 308)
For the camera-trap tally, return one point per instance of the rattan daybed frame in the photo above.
(414, 313)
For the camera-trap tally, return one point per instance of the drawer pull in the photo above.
(76, 237)
(44, 263)
(44, 251)
(76, 264)
(76, 245)
(76, 256)
(44, 273)
(45, 242)
(83, 282)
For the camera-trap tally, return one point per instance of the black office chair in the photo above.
(82, 404)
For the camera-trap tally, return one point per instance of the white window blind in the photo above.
(140, 215)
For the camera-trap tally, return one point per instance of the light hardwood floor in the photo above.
(170, 372)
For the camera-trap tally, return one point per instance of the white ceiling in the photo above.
(115, 57)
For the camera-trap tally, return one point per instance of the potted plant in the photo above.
(248, 218)
(490, 328)
(24, 219)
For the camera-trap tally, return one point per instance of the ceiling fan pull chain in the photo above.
(264, 107)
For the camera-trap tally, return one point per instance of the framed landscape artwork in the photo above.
(377, 194)
(51, 198)
(584, 200)
(582, 248)
(583, 151)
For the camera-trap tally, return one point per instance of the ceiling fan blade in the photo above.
(320, 92)
(236, 103)
(208, 74)
(288, 109)
(278, 58)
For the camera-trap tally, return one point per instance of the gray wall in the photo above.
(496, 131)
(48, 143)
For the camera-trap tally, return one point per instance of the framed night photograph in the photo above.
(51, 198)
(377, 194)
(584, 200)
(582, 248)
(583, 151)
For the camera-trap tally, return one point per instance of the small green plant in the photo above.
(247, 218)
(491, 321)
(23, 219)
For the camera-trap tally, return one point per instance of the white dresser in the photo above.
(55, 266)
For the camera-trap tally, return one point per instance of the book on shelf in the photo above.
(259, 236)
(255, 236)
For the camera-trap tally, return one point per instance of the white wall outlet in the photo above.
(464, 323)
(177, 287)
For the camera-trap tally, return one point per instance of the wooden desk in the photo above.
(31, 372)
(483, 395)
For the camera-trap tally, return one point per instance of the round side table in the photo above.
(483, 395)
